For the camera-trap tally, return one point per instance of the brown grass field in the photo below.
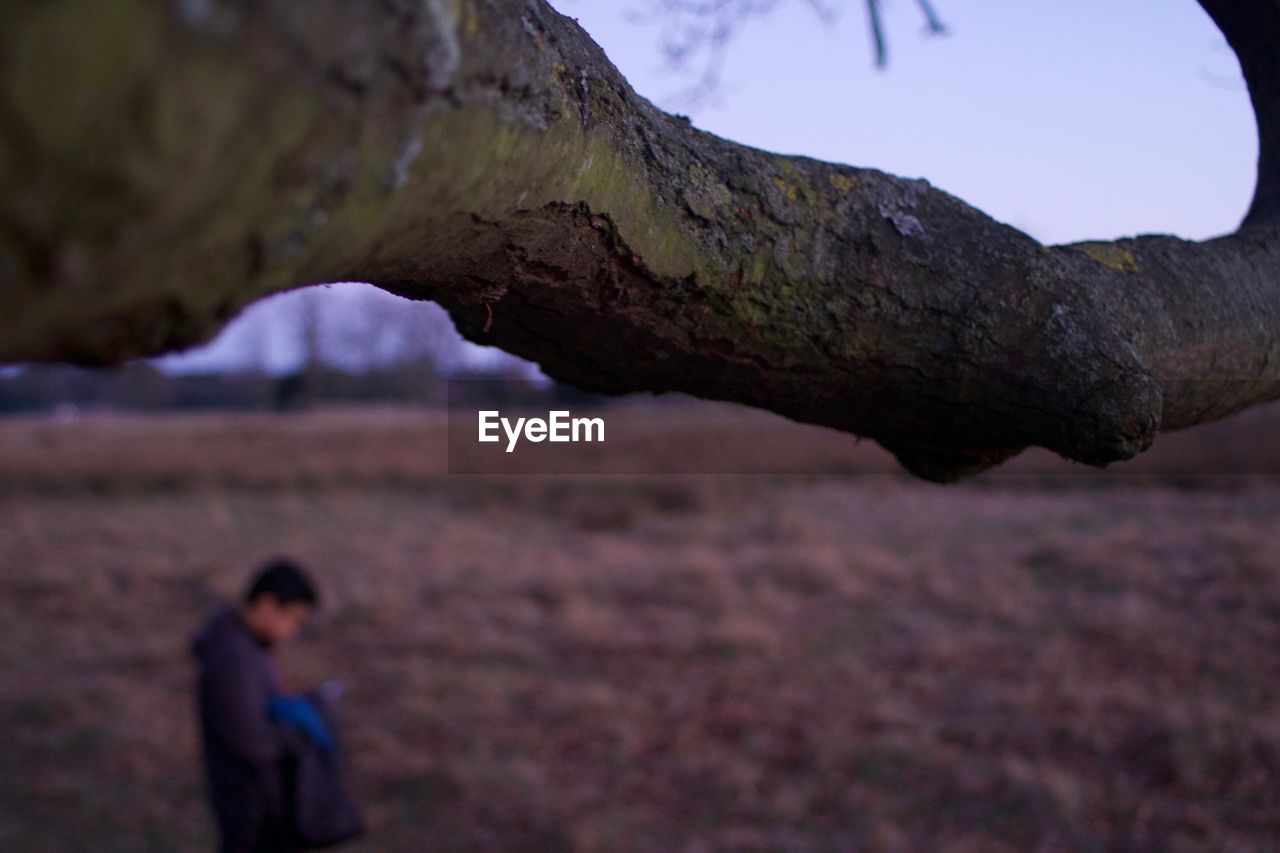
(1043, 659)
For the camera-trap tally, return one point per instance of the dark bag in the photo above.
(324, 813)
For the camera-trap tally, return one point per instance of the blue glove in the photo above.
(298, 711)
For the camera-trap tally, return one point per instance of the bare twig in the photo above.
(697, 34)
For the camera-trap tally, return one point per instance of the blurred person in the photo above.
(250, 729)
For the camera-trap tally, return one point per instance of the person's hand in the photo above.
(330, 690)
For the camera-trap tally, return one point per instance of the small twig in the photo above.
(877, 33)
(935, 25)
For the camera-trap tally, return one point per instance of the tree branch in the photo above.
(1252, 29)
(194, 156)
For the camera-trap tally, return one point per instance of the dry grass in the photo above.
(749, 663)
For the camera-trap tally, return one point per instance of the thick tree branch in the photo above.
(190, 157)
(1252, 29)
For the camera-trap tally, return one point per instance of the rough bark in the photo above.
(164, 164)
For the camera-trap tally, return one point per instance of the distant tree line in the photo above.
(140, 386)
(364, 346)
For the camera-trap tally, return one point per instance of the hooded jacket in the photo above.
(244, 749)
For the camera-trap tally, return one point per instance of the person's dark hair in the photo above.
(284, 579)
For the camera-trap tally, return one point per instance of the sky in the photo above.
(1069, 119)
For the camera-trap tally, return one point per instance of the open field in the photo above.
(817, 662)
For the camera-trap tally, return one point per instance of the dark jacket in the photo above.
(244, 749)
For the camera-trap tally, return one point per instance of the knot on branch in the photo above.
(1067, 380)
